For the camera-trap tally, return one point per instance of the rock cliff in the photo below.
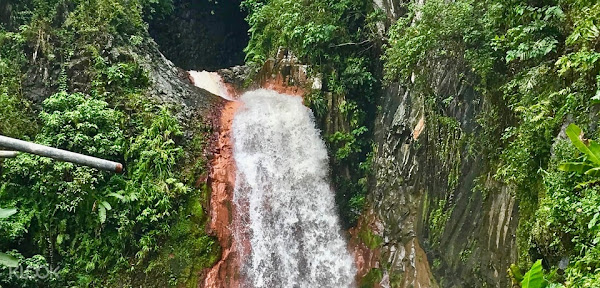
(433, 194)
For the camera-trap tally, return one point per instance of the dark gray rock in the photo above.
(202, 35)
(466, 230)
(431, 187)
(236, 76)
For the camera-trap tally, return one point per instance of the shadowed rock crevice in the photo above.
(202, 34)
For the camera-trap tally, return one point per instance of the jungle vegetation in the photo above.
(92, 228)
(537, 62)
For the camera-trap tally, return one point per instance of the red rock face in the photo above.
(224, 215)
(225, 273)
(232, 91)
(365, 258)
(279, 84)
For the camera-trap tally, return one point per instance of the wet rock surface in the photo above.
(236, 76)
(430, 202)
(168, 84)
(442, 218)
(225, 273)
(202, 35)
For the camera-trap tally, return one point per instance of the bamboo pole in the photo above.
(8, 154)
(59, 154)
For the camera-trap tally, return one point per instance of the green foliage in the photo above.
(15, 114)
(318, 103)
(188, 248)
(63, 194)
(465, 254)
(123, 77)
(534, 278)
(372, 278)
(95, 20)
(157, 8)
(28, 270)
(100, 229)
(535, 67)
(5, 259)
(515, 273)
(13, 122)
(438, 217)
(535, 37)
(565, 225)
(337, 39)
(5, 213)
(370, 239)
(441, 30)
(89, 221)
(310, 29)
(591, 150)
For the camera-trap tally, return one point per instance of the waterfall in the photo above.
(211, 82)
(283, 198)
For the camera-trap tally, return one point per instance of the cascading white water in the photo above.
(289, 217)
(211, 82)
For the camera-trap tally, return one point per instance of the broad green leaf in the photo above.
(573, 131)
(5, 213)
(102, 213)
(593, 221)
(118, 196)
(534, 278)
(587, 183)
(593, 172)
(579, 167)
(106, 205)
(594, 148)
(8, 261)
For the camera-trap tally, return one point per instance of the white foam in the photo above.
(211, 82)
(281, 181)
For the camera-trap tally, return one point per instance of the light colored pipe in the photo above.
(59, 154)
(8, 154)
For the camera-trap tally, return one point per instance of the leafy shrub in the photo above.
(534, 278)
(27, 274)
(16, 118)
(441, 30)
(100, 229)
(5, 259)
(535, 64)
(591, 151)
(89, 222)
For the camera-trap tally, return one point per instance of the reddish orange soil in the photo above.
(223, 214)
(280, 85)
(225, 273)
(365, 258)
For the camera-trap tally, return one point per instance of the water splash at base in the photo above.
(283, 197)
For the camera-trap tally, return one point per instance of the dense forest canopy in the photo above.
(71, 76)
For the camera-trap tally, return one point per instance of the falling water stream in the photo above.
(283, 197)
(211, 82)
(285, 228)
